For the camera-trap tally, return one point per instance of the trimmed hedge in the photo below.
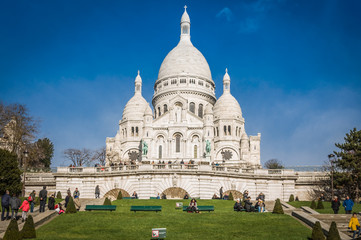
(12, 232)
(333, 233)
(320, 205)
(120, 196)
(28, 230)
(107, 202)
(230, 196)
(278, 207)
(292, 198)
(317, 233)
(313, 204)
(71, 206)
(58, 195)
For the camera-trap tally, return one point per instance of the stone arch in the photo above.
(175, 193)
(236, 194)
(113, 194)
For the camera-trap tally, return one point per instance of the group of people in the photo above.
(248, 205)
(336, 203)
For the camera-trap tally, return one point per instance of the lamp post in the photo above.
(26, 154)
(331, 158)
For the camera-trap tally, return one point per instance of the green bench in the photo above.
(201, 208)
(153, 198)
(129, 198)
(146, 208)
(100, 207)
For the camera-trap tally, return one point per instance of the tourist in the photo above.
(322, 197)
(77, 202)
(193, 206)
(182, 162)
(67, 198)
(335, 204)
(260, 205)
(76, 193)
(261, 196)
(59, 208)
(354, 225)
(25, 207)
(5, 203)
(221, 193)
(15, 204)
(97, 191)
(158, 197)
(348, 204)
(186, 196)
(51, 202)
(215, 196)
(248, 205)
(68, 191)
(164, 196)
(238, 206)
(245, 195)
(135, 195)
(43, 196)
(31, 200)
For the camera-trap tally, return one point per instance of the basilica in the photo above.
(188, 123)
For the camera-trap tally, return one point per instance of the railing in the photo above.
(175, 166)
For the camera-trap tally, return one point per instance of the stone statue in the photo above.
(208, 147)
(145, 148)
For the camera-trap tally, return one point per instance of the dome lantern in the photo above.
(226, 83)
(138, 84)
(185, 25)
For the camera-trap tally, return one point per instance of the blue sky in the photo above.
(295, 66)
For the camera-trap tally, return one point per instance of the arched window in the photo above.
(126, 133)
(155, 113)
(160, 152)
(195, 151)
(229, 130)
(177, 143)
(136, 131)
(165, 107)
(192, 107)
(185, 30)
(132, 131)
(217, 131)
(225, 129)
(159, 111)
(236, 131)
(200, 111)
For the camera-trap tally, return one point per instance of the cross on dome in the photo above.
(185, 7)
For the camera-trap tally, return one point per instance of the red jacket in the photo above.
(25, 206)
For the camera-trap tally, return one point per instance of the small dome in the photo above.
(209, 109)
(138, 79)
(135, 108)
(227, 107)
(226, 76)
(185, 16)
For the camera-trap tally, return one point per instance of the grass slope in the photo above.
(327, 205)
(224, 223)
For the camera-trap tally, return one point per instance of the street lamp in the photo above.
(26, 154)
(331, 158)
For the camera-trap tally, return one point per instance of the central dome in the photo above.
(185, 59)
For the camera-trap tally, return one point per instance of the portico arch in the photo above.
(236, 194)
(175, 193)
(113, 194)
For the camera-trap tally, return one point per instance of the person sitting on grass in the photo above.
(135, 195)
(248, 205)
(354, 225)
(193, 206)
(260, 205)
(59, 208)
(186, 196)
(238, 206)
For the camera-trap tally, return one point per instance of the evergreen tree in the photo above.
(278, 207)
(12, 232)
(28, 230)
(48, 149)
(58, 195)
(320, 205)
(107, 202)
(120, 196)
(292, 198)
(317, 233)
(333, 233)
(313, 204)
(10, 173)
(230, 196)
(71, 206)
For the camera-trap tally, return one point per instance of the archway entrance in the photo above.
(175, 193)
(236, 194)
(113, 194)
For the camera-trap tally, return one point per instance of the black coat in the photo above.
(5, 200)
(43, 194)
(51, 203)
(335, 205)
(248, 205)
(237, 206)
(67, 200)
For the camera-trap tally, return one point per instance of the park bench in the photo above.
(146, 208)
(153, 198)
(100, 207)
(201, 208)
(129, 198)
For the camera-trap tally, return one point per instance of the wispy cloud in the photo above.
(225, 12)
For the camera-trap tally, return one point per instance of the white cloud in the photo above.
(225, 12)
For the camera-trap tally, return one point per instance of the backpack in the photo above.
(30, 199)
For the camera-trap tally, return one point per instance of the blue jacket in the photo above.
(348, 204)
(5, 200)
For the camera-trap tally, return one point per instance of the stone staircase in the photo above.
(341, 220)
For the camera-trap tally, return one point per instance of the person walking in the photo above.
(97, 191)
(31, 200)
(221, 193)
(76, 193)
(5, 203)
(51, 202)
(335, 204)
(15, 204)
(348, 205)
(25, 207)
(354, 225)
(43, 195)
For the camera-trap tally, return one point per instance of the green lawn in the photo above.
(224, 223)
(327, 205)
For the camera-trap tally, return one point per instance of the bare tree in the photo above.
(273, 164)
(100, 156)
(79, 157)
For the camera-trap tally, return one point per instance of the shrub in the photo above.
(230, 196)
(313, 204)
(120, 196)
(292, 198)
(278, 207)
(317, 233)
(320, 205)
(333, 232)
(28, 230)
(71, 206)
(107, 202)
(58, 195)
(12, 232)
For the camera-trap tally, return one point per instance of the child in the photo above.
(25, 206)
(354, 225)
(260, 205)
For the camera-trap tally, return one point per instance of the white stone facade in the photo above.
(186, 115)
